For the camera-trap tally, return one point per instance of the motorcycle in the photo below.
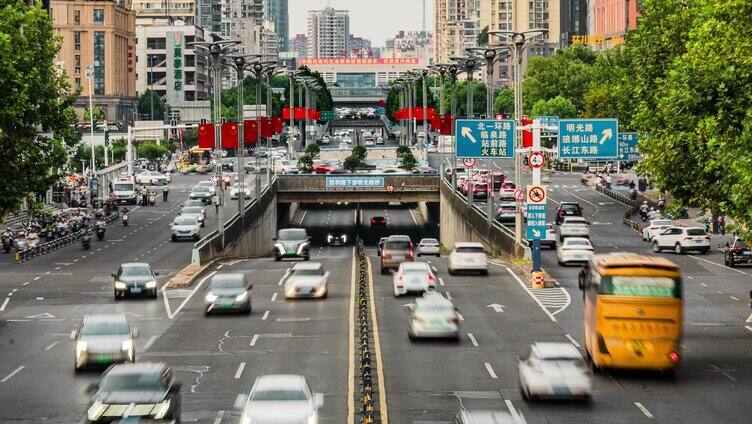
(86, 241)
(125, 220)
(7, 242)
(152, 199)
(100, 231)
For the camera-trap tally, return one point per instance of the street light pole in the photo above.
(151, 87)
(424, 73)
(453, 74)
(89, 76)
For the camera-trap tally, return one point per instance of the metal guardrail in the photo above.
(52, 245)
(368, 406)
(634, 206)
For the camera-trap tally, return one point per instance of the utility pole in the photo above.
(453, 74)
(424, 74)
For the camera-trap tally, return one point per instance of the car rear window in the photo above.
(577, 243)
(147, 382)
(570, 207)
(429, 242)
(397, 245)
(469, 249)
(695, 232)
(280, 394)
(307, 272)
(104, 328)
(292, 234)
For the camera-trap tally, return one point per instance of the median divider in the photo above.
(634, 206)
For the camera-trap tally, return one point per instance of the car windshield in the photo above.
(104, 328)
(122, 187)
(470, 249)
(649, 286)
(307, 272)
(507, 186)
(225, 282)
(192, 210)
(576, 221)
(294, 234)
(281, 394)
(135, 271)
(578, 243)
(185, 221)
(569, 207)
(660, 223)
(136, 382)
(397, 245)
(200, 189)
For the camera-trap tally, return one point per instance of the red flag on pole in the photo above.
(277, 125)
(266, 127)
(230, 135)
(286, 113)
(206, 136)
(249, 132)
(527, 135)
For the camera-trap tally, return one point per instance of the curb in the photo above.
(187, 276)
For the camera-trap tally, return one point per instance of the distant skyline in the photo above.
(374, 20)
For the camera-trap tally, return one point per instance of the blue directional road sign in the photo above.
(485, 138)
(354, 182)
(588, 139)
(536, 221)
(628, 147)
(549, 121)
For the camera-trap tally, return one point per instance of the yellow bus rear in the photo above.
(633, 312)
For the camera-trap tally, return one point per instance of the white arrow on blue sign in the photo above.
(536, 221)
(588, 139)
(484, 138)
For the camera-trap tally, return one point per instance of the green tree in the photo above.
(360, 152)
(504, 102)
(611, 93)
(479, 98)
(151, 150)
(313, 150)
(145, 105)
(482, 38)
(403, 151)
(408, 162)
(351, 162)
(98, 115)
(190, 137)
(305, 164)
(566, 73)
(36, 95)
(558, 106)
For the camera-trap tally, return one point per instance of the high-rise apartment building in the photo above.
(418, 44)
(209, 15)
(183, 10)
(328, 32)
(100, 34)
(609, 21)
(518, 15)
(299, 45)
(574, 20)
(456, 27)
(277, 12)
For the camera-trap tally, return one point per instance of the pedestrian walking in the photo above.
(165, 192)
(721, 225)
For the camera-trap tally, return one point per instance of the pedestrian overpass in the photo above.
(357, 96)
(358, 188)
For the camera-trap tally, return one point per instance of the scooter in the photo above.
(86, 241)
(125, 220)
(7, 242)
(100, 232)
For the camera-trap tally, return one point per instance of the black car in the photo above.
(135, 279)
(145, 391)
(736, 252)
(337, 238)
(567, 209)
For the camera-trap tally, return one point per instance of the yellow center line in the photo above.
(351, 347)
(384, 413)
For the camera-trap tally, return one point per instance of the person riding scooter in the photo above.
(644, 211)
(86, 238)
(100, 227)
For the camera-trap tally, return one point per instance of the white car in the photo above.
(428, 246)
(412, 277)
(468, 256)
(237, 188)
(681, 239)
(186, 227)
(550, 239)
(151, 177)
(656, 225)
(306, 279)
(574, 249)
(379, 140)
(210, 184)
(554, 370)
(506, 192)
(433, 315)
(196, 212)
(279, 398)
(573, 226)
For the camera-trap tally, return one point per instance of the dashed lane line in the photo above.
(239, 371)
(52, 345)
(472, 339)
(644, 410)
(9, 376)
(490, 370)
(266, 315)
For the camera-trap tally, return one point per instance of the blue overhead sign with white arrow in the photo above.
(588, 139)
(484, 138)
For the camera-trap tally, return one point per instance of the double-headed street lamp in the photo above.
(517, 42)
(469, 64)
(258, 70)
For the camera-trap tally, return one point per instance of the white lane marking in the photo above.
(583, 199)
(48, 272)
(36, 278)
(383, 404)
(254, 340)
(274, 297)
(25, 284)
(644, 410)
(690, 277)
(434, 268)
(490, 370)
(57, 267)
(239, 372)
(749, 318)
(459, 315)
(516, 415)
(172, 315)
(716, 264)
(303, 217)
(52, 345)
(734, 297)
(746, 326)
(703, 284)
(571, 339)
(524, 287)
(150, 342)
(448, 296)
(441, 281)
(5, 303)
(266, 315)
(10, 294)
(413, 217)
(472, 339)
(9, 376)
(220, 415)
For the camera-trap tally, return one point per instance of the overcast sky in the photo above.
(376, 20)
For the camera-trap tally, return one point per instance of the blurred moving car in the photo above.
(228, 292)
(196, 212)
(133, 279)
(135, 391)
(378, 222)
(413, 277)
(656, 225)
(736, 252)
(507, 191)
(681, 239)
(237, 188)
(292, 243)
(151, 177)
(186, 227)
(506, 213)
(468, 256)
(327, 167)
(380, 245)
(573, 226)
(433, 315)
(103, 340)
(554, 370)
(395, 251)
(196, 203)
(208, 184)
(428, 246)
(574, 250)
(306, 280)
(550, 240)
(480, 192)
(567, 209)
(472, 416)
(279, 399)
(336, 238)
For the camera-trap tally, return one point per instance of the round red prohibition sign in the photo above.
(536, 159)
(536, 195)
(468, 162)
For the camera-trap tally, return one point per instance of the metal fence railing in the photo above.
(633, 205)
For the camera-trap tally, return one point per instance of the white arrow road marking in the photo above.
(496, 307)
(468, 133)
(605, 135)
(44, 315)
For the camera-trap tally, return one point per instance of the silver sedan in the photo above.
(306, 279)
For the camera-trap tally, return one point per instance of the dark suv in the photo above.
(396, 249)
(736, 252)
(567, 209)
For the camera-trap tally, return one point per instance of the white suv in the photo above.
(655, 227)
(468, 256)
(682, 239)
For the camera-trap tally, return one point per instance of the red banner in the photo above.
(266, 127)
(230, 135)
(206, 136)
(447, 122)
(249, 132)
(277, 125)
(527, 135)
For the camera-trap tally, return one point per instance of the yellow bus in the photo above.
(633, 312)
(199, 156)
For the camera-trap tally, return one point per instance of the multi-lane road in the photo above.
(218, 357)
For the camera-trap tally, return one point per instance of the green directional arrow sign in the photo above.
(327, 115)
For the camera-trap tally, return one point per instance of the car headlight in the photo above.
(151, 284)
(302, 247)
(210, 297)
(344, 238)
(241, 297)
(280, 248)
(127, 345)
(200, 217)
(246, 420)
(96, 410)
(80, 348)
(120, 285)
(329, 238)
(321, 290)
(160, 411)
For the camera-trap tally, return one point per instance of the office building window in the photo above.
(98, 16)
(99, 63)
(77, 41)
(156, 43)
(77, 17)
(78, 84)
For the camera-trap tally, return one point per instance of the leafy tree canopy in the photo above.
(145, 105)
(558, 106)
